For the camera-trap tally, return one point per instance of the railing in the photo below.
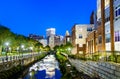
(107, 56)
(104, 56)
(16, 57)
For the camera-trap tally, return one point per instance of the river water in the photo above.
(47, 68)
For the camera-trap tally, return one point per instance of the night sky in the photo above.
(35, 16)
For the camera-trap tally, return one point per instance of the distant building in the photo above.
(52, 38)
(43, 41)
(50, 32)
(58, 40)
(92, 18)
(35, 37)
(67, 37)
(51, 41)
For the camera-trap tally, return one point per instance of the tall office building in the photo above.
(107, 35)
(50, 32)
(111, 23)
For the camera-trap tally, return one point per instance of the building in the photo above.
(111, 20)
(35, 37)
(67, 37)
(50, 32)
(107, 35)
(58, 40)
(43, 41)
(79, 35)
(51, 41)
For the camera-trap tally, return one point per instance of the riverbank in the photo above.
(19, 70)
(68, 70)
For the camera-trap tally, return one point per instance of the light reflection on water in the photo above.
(48, 68)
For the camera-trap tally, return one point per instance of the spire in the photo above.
(67, 33)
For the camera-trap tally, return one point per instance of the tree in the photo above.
(47, 48)
(56, 47)
(5, 36)
(38, 45)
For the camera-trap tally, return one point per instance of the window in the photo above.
(119, 11)
(80, 36)
(116, 14)
(107, 38)
(89, 29)
(80, 52)
(117, 36)
(100, 39)
(107, 19)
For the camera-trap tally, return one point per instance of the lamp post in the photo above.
(7, 48)
(22, 46)
(31, 50)
(69, 49)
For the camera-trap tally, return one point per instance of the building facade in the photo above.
(35, 37)
(50, 32)
(58, 40)
(43, 41)
(67, 37)
(107, 35)
(79, 35)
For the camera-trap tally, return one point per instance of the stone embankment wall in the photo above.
(103, 70)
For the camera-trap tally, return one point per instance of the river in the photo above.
(47, 68)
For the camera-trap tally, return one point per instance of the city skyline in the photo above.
(26, 17)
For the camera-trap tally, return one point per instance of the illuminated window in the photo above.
(80, 45)
(80, 52)
(117, 36)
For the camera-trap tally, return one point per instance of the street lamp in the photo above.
(22, 46)
(7, 48)
(31, 49)
(69, 49)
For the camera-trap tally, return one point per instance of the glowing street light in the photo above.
(31, 48)
(69, 49)
(22, 46)
(7, 43)
(7, 48)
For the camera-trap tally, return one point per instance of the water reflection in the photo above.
(48, 68)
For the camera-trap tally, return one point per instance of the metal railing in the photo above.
(113, 56)
(106, 56)
(16, 57)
